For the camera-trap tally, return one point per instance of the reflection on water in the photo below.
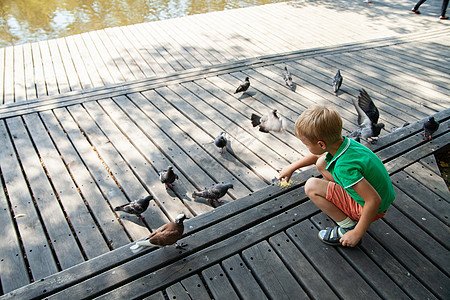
(25, 21)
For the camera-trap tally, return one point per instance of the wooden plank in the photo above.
(8, 88)
(115, 57)
(79, 215)
(242, 134)
(2, 74)
(218, 283)
(104, 180)
(203, 132)
(426, 198)
(117, 166)
(39, 77)
(70, 50)
(209, 37)
(20, 93)
(417, 153)
(61, 238)
(89, 48)
(192, 54)
(145, 48)
(269, 269)
(399, 276)
(291, 151)
(156, 296)
(428, 94)
(100, 211)
(195, 288)
(13, 269)
(304, 235)
(50, 79)
(68, 62)
(428, 273)
(84, 61)
(196, 41)
(177, 291)
(380, 90)
(100, 264)
(304, 272)
(429, 179)
(106, 62)
(160, 151)
(172, 206)
(242, 279)
(405, 73)
(203, 175)
(32, 233)
(137, 70)
(431, 164)
(29, 72)
(422, 217)
(149, 279)
(419, 239)
(172, 57)
(60, 71)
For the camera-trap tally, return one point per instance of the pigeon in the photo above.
(269, 122)
(287, 78)
(168, 177)
(166, 235)
(214, 193)
(398, 128)
(429, 127)
(367, 118)
(337, 81)
(244, 86)
(221, 141)
(136, 207)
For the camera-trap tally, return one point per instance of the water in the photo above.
(24, 21)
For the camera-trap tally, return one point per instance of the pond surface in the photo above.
(23, 21)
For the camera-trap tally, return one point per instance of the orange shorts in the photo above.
(339, 197)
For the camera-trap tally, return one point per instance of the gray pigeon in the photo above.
(269, 122)
(214, 193)
(221, 141)
(244, 86)
(166, 235)
(168, 177)
(429, 127)
(287, 78)
(337, 81)
(136, 207)
(367, 118)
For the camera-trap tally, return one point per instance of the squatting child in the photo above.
(355, 190)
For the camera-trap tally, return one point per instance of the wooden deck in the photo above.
(124, 54)
(68, 158)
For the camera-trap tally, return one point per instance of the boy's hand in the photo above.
(351, 238)
(286, 173)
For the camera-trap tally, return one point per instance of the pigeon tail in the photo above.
(256, 120)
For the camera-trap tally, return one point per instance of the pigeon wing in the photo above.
(367, 105)
(363, 119)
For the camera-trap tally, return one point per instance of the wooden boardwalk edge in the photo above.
(93, 94)
(397, 150)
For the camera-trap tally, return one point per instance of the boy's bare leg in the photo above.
(316, 190)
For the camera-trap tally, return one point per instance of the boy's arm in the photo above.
(370, 210)
(287, 171)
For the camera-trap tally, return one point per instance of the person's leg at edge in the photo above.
(416, 7)
(444, 9)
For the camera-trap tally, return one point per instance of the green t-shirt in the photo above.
(352, 163)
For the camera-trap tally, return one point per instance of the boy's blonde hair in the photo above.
(319, 123)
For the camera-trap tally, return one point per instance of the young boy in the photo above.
(355, 190)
